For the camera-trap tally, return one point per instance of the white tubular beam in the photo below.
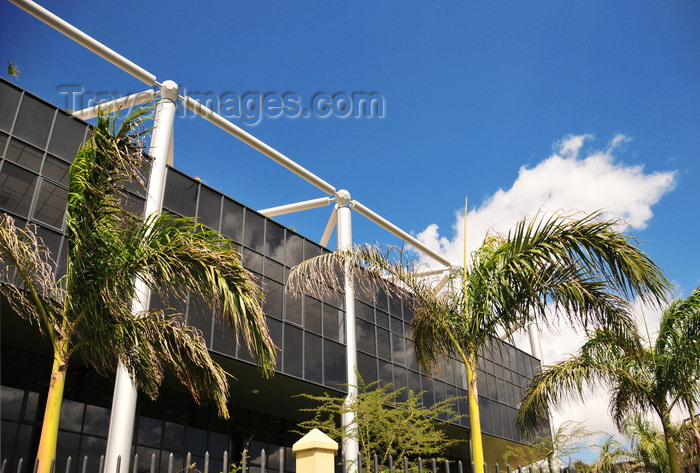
(299, 206)
(329, 228)
(391, 228)
(442, 282)
(81, 38)
(123, 102)
(535, 345)
(432, 272)
(255, 143)
(121, 422)
(350, 444)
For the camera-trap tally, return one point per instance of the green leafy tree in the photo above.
(88, 312)
(384, 423)
(642, 376)
(558, 268)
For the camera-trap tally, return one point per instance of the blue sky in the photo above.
(515, 105)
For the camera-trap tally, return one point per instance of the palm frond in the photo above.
(26, 277)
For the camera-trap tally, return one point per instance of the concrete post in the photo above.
(121, 422)
(315, 453)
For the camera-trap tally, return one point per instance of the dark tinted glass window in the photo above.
(275, 329)
(367, 366)
(68, 134)
(209, 208)
(9, 98)
(385, 372)
(364, 332)
(199, 314)
(56, 170)
(292, 351)
(274, 270)
(333, 323)
(25, 155)
(364, 311)
(398, 353)
(51, 204)
(232, 220)
(254, 231)
(395, 306)
(383, 344)
(428, 391)
(294, 249)
(311, 249)
(382, 319)
(180, 194)
(3, 142)
(274, 297)
(312, 314)
(16, 189)
(485, 414)
(292, 311)
(413, 381)
(334, 365)
(313, 366)
(274, 240)
(34, 121)
(224, 341)
(253, 261)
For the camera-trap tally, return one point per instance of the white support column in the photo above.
(350, 446)
(535, 345)
(121, 423)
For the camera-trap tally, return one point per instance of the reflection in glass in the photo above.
(9, 99)
(313, 358)
(334, 357)
(292, 350)
(254, 231)
(180, 195)
(34, 121)
(274, 240)
(67, 136)
(50, 207)
(16, 189)
(209, 208)
(25, 155)
(232, 220)
(312, 314)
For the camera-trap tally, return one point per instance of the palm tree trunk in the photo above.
(673, 463)
(49, 428)
(694, 428)
(474, 418)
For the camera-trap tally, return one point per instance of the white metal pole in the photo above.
(296, 207)
(535, 345)
(114, 105)
(121, 423)
(390, 227)
(255, 143)
(350, 445)
(87, 41)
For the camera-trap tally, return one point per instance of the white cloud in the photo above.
(562, 181)
(569, 182)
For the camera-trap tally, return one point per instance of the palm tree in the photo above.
(583, 269)
(88, 312)
(613, 458)
(641, 375)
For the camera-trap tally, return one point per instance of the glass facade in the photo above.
(37, 143)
